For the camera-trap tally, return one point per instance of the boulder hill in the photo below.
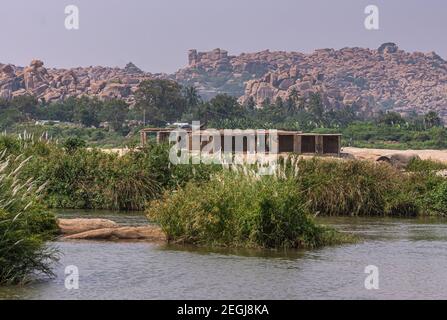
(387, 78)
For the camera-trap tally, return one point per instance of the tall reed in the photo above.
(24, 225)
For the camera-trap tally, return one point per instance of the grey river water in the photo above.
(411, 256)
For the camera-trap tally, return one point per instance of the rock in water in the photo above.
(103, 229)
(73, 226)
(148, 233)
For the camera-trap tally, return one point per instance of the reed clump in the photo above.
(241, 210)
(24, 225)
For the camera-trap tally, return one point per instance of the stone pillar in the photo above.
(339, 146)
(297, 143)
(319, 144)
(143, 138)
(192, 57)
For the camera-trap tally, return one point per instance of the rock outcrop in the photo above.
(217, 72)
(103, 229)
(147, 233)
(386, 78)
(399, 160)
(58, 84)
(383, 79)
(73, 226)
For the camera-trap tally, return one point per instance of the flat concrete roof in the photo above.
(280, 132)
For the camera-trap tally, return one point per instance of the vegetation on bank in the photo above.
(200, 204)
(241, 210)
(113, 123)
(25, 225)
(236, 209)
(81, 178)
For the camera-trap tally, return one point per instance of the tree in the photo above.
(225, 106)
(27, 104)
(191, 96)
(316, 107)
(115, 112)
(161, 100)
(72, 144)
(432, 119)
(250, 104)
(391, 119)
(4, 104)
(61, 111)
(294, 102)
(87, 111)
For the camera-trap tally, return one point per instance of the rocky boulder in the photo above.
(388, 47)
(369, 79)
(148, 233)
(131, 68)
(399, 160)
(58, 84)
(73, 226)
(103, 229)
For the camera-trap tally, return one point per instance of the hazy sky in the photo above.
(156, 34)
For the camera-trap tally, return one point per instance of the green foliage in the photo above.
(84, 178)
(432, 119)
(91, 179)
(408, 136)
(350, 187)
(87, 111)
(438, 199)
(26, 104)
(115, 112)
(241, 210)
(73, 144)
(24, 225)
(427, 166)
(391, 118)
(161, 100)
(93, 137)
(77, 177)
(155, 158)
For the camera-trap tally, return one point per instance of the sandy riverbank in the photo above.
(372, 154)
(358, 153)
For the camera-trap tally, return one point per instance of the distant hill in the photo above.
(58, 84)
(386, 78)
(383, 79)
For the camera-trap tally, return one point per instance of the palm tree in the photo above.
(432, 119)
(192, 96)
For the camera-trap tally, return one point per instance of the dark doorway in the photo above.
(285, 143)
(307, 144)
(330, 144)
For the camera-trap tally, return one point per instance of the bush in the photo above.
(91, 179)
(24, 226)
(73, 144)
(80, 178)
(438, 199)
(240, 210)
(353, 187)
(417, 165)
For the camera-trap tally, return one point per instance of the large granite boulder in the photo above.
(148, 233)
(399, 160)
(103, 229)
(73, 226)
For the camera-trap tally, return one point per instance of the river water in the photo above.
(411, 257)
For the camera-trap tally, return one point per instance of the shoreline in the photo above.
(373, 154)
